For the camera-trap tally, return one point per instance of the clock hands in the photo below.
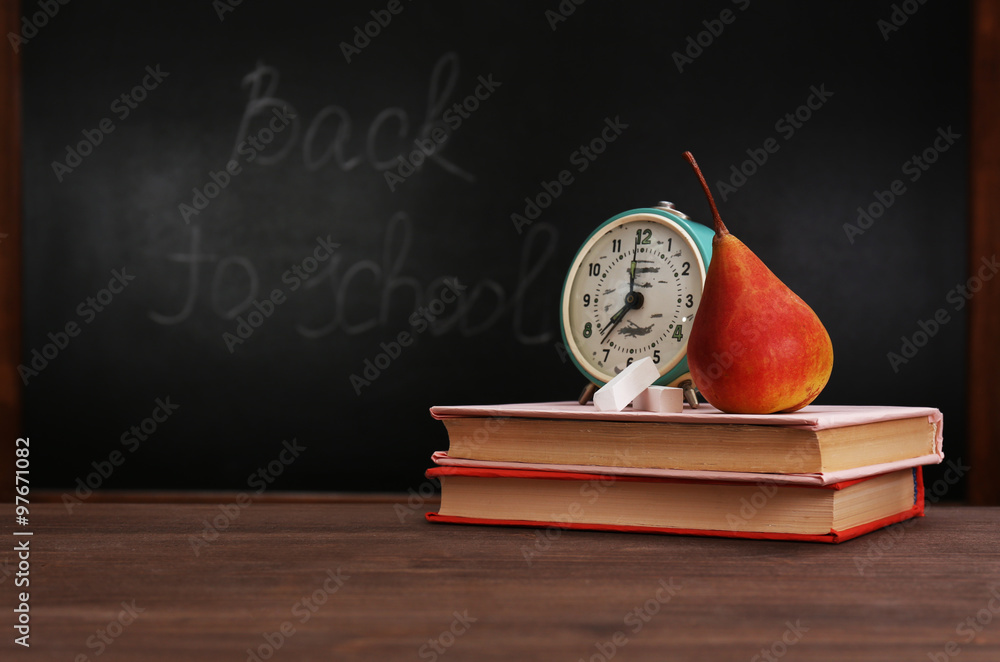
(615, 319)
(631, 267)
(632, 299)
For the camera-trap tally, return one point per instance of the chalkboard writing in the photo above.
(380, 281)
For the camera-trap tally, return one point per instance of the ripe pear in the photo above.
(755, 346)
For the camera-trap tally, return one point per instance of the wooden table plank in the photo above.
(406, 587)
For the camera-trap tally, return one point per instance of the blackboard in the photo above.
(233, 210)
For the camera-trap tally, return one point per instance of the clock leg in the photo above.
(689, 393)
(588, 393)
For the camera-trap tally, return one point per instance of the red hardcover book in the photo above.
(733, 509)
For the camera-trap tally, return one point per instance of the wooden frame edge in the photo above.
(10, 248)
(984, 244)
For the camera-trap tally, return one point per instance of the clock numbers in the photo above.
(633, 288)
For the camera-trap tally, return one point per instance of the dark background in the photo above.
(291, 378)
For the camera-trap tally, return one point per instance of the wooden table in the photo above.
(339, 579)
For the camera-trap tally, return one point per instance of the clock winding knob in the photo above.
(669, 206)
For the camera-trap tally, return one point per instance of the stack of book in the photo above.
(823, 473)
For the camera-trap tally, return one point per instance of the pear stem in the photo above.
(720, 227)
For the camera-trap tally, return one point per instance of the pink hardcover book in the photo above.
(486, 422)
(813, 417)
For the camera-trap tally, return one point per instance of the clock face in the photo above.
(632, 291)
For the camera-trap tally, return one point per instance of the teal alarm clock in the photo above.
(632, 291)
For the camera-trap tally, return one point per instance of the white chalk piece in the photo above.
(630, 382)
(664, 399)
